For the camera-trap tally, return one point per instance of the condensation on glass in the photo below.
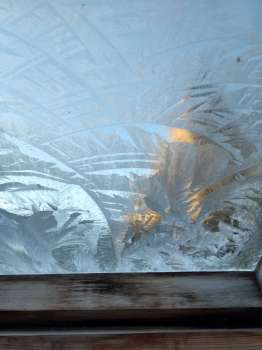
(130, 135)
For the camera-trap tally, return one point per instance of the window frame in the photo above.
(184, 310)
(179, 298)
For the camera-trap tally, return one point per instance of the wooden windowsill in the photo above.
(152, 310)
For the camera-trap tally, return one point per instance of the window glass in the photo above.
(130, 135)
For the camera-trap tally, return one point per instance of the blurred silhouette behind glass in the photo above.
(130, 135)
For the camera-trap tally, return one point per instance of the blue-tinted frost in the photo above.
(130, 135)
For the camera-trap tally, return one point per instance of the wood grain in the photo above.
(180, 297)
(118, 291)
(147, 340)
(180, 311)
(258, 273)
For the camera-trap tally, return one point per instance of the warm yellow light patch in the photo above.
(143, 222)
(183, 135)
(195, 200)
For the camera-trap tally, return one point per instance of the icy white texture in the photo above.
(111, 109)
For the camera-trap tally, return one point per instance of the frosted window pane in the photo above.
(130, 135)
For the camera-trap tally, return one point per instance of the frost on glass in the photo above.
(130, 135)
